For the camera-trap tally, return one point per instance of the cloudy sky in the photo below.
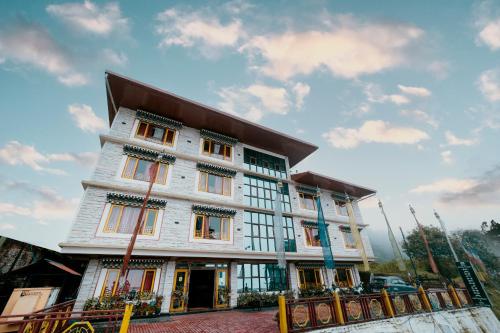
(401, 97)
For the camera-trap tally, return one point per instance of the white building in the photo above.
(208, 229)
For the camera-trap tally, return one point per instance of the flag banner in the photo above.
(279, 237)
(394, 244)
(357, 236)
(323, 237)
(432, 263)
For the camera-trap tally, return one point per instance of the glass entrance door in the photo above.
(221, 288)
(179, 295)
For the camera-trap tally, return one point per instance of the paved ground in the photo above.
(234, 321)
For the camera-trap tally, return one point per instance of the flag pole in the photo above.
(432, 263)
(446, 235)
(395, 248)
(153, 171)
(417, 279)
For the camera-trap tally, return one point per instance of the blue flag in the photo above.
(323, 237)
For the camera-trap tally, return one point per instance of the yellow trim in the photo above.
(454, 296)
(346, 244)
(119, 221)
(205, 219)
(216, 296)
(126, 318)
(177, 271)
(338, 309)
(317, 276)
(301, 202)
(282, 314)
(163, 140)
(146, 218)
(207, 175)
(109, 217)
(106, 282)
(423, 295)
(387, 302)
(210, 152)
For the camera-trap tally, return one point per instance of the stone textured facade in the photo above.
(175, 226)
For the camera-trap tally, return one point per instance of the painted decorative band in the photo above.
(221, 138)
(133, 200)
(147, 154)
(215, 169)
(306, 189)
(310, 224)
(159, 120)
(309, 265)
(136, 263)
(347, 228)
(213, 211)
(339, 196)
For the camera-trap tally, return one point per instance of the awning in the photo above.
(63, 267)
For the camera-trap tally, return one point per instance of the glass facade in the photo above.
(259, 232)
(264, 163)
(260, 277)
(259, 192)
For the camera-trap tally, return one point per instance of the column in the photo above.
(168, 285)
(233, 280)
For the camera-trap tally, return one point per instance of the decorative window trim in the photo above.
(147, 154)
(309, 265)
(220, 138)
(158, 120)
(215, 169)
(133, 200)
(213, 211)
(310, 224)
(307, 190)
(134, 263)
(339, 197)
(105, 271)
(347, 228)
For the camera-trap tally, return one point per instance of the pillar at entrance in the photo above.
(167, 292)
(233, 280)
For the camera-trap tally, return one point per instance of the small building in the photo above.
(24, 265)
(208, 230)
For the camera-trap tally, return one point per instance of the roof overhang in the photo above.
(128, 93)
(332, 184)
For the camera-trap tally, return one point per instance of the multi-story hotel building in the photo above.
(208, 229)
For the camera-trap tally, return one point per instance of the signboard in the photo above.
(472, 283)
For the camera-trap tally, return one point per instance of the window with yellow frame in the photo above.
(212, 183)
(138, 169)
(155, 133)
(122, 220)
(349, 241)
(312, 236)
(307, 201)
(344, 277)
(310, 278)
(218, 150)
(212, 227)
(137, 281)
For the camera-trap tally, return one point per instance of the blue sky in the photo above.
(401, 97)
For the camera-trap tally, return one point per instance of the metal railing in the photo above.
(299, 315)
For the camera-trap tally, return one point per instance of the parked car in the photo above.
(391, 284)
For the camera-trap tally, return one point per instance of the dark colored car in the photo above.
(392, 284)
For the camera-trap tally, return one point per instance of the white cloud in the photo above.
(89, 17)
(32, 45)
(7, 226)
(446, 157)
(11, 209)
(448, 185)
(190, 29)
(415, 91)
(257, 100)
(376, 131)
(453, 140)
(489, 84)
(114, 58)
(301, 90)
(16, 153)
(347, 48)
(86, 119)
(490, 34)
(422, 116)
(374, 94)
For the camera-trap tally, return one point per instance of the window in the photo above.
(260, 277)
(349, 240)
(344, 278)
(212, 227)
(122, 220)
(312, 236)
(341, 207)
(307, 201)
(155, 133)
(309, 278)
(259, 192)
(259, 232)
(214, 183)
(217, 150)
(138, 169)
(264, 163)
(137, 280)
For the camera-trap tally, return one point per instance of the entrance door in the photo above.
(177, 302)
(201, 289)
